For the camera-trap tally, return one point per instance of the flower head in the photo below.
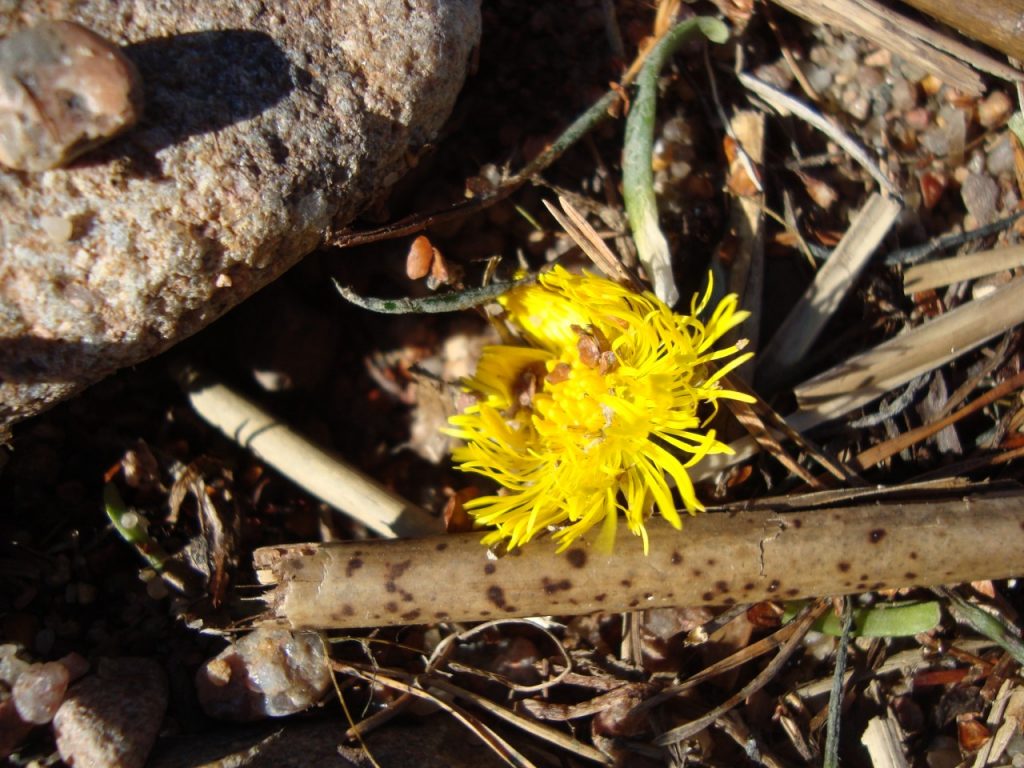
(591, 414)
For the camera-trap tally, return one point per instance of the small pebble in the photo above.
(995, 109)
(776, 73)
(111, 719)
(932, 185)
(57, 228)
(903, 94)
(11, 666)
(678, 130)
(917, 119)
(856, 103)
(976, 162)
(869, 78)
(980, 195)
(819, 77)
(267, 673)
(39, 691)
(1010, 198)
(63, 90)
(1000, 156)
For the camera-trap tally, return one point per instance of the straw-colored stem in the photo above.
(871, 374)
(803, 325)
(717, 559)
(934, 274)
(321, 473)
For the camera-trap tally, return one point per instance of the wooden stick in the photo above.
(321, 473)
(933, 274)
(865, 377)
(718, 559)
(833, 282)
(999, 23)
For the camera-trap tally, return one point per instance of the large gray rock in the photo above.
(265, 126)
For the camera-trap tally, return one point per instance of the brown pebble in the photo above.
(63, 90)
(39, 691)
(112, 718)
(419, 259)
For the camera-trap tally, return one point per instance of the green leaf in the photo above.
(637, 176)
(713, 29)
(894, 620)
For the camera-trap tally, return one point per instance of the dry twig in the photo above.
(948, 58)
(833, 282)
(869, 375)
(933, 274)
(718, 559)
(319, 472)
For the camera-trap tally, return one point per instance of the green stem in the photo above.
(133, 528)
(835, 700)
(984, 623)
(443, 302)
(637, 175)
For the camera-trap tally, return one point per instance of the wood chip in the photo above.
(933, 274)
(833, 282)
(869, 375)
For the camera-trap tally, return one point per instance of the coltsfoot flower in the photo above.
(595, 410)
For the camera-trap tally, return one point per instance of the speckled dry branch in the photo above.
(718, 559)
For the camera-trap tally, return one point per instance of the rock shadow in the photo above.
(200, 82)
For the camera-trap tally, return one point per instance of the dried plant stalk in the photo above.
(746, 219)
(950, 59)
(869, 375)
(933, 274)
(801, 328)
(719, 559)
(321, 473)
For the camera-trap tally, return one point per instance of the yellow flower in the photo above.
(591, 415)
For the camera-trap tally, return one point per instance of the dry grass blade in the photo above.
(989, 363)
(883, 743)
(784, 103)
(746, 220)
(540, 730)
(750, 421)
(377, 719)
(1009, 711)
(501, 748)
(767, 415)
(738, 659)
(732, 725)
(584, 235)
(793, 340)
(949, 59)
(882, 451)
(871, 374)
(788, 648)
(933, 274)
